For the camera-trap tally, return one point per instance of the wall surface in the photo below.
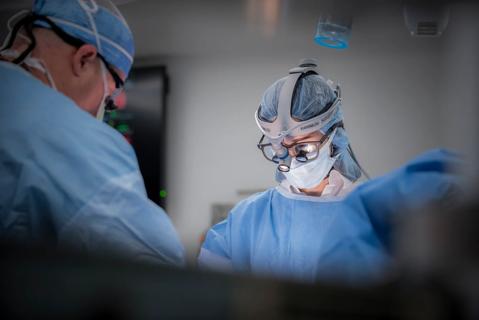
(460, 93)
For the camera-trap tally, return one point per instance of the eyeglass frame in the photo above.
(318, 144)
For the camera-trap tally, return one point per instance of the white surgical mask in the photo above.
(310, 174)
(33, 63)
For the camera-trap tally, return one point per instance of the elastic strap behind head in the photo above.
(285, 101)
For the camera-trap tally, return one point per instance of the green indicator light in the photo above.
(163, 193)
(123, 128)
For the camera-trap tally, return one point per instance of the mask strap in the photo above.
(40, 65)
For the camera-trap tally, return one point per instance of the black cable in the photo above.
(13, 35)
(28, 23)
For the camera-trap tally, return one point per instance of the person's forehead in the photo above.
(309, 136)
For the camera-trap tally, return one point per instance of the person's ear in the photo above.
(84, 60)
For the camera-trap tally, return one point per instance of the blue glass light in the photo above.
(332, 35)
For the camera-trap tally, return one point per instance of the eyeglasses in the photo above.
(302, 151)
(119, 83)
(119, 86)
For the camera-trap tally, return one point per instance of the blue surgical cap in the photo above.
(116, 39)
(311, 96)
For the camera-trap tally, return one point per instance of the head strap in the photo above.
(285, 124)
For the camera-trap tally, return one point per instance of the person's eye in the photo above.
(310, 148)
(305, 148)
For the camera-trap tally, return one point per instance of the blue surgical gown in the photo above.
(69, 180)
(276, 233)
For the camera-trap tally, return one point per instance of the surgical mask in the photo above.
(308, 175)
(31, 62)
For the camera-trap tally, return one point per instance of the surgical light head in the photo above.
(335, 24)
(333, 32)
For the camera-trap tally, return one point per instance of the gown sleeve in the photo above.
(426, 180)
(215, 252)
(121, 219)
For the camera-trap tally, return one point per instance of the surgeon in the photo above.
(317, 224)
(66, 178)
